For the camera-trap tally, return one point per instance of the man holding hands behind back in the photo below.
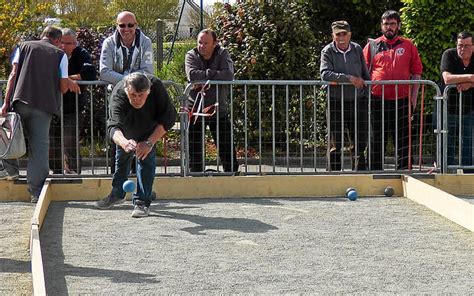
(140, 114)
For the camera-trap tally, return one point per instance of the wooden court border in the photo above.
(427, 190)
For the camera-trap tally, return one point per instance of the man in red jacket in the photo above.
(392, 57)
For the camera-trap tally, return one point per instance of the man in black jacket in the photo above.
(209, 61)
(80, 68)
(140, 114)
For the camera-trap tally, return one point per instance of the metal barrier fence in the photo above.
(276, 127)
(92, 154)
(458, 128)
(284, 127)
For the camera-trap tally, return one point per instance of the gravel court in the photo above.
(374, 245)
(15, 266)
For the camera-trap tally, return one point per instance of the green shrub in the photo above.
(173, 69)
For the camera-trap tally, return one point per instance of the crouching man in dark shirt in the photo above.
(140, 114)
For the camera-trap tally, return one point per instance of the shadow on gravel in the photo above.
(14, 266)
(255, 201)
(217, 223)
(115, 276)
(56, 269)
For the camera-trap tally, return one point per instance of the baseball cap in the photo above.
(340, 26)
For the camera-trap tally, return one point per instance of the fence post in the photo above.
(160, 28)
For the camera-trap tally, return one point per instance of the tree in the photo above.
(18, 20)
(83, 13)
(269, 40)
(146, 11)
(433, 26)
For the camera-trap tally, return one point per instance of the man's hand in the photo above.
(5, 108)
(129, 145)
(73, 86)
(143, 149)
(464, 86)
(357, 81)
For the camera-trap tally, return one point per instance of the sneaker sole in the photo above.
(139, 215)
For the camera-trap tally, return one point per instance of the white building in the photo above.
(190, 19)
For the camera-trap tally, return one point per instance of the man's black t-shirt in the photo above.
(452, 63)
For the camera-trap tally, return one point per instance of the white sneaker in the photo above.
(140, 211)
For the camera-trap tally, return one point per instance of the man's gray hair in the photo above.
(137, 81)
(68, 32)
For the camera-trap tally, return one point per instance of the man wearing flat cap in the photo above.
(342, 62)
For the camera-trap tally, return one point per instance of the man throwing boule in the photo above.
(140, 114)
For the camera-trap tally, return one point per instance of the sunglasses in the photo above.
(130, 25)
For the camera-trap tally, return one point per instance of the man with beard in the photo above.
(392, 57)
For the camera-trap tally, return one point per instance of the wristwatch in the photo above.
(148, 143)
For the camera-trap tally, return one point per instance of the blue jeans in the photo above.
(36, 125)
(145, 175)
(453, 136)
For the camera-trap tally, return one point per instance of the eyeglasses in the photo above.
(465, 46)
(130, 25)
(341, 34)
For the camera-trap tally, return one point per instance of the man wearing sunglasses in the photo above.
(127, 50)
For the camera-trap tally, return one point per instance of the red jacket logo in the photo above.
(400, 51)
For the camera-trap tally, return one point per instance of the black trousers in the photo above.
(390, 129)
(227, 155)
(347, 131)
(71, 154)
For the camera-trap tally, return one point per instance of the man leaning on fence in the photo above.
(39, 74)
(80, 68)
(127, 50)
(457, 67)
(210, 61)
(140, 114)
(342, 61)
(392, 57)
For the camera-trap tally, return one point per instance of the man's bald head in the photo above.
(127, 25)
(126, 15)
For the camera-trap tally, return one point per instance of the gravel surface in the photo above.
(15, 267)
(257, 246)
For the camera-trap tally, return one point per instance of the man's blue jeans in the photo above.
(453, 136)
(145, 175)
(36, 125)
